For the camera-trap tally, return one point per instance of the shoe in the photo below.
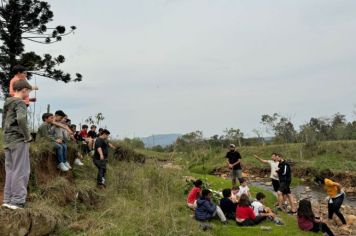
(67, 165)
(91, 153)
(15, 206)
(62, 167)
(279, 223)
(224, 222)
(78, 162)
(5, 205)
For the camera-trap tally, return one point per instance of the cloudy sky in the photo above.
(175, 66)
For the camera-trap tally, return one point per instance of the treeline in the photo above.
(275, 129)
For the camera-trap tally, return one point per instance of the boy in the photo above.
(100, 158)
(206, 210)
(234, 192)
(16, 143)
(260, 210)
(227, 205)
(74, 137)
(61, 137)
(92, 135)
(20, 73)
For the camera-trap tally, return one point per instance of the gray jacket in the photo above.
(14, 122)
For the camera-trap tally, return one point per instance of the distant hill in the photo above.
(160, 139)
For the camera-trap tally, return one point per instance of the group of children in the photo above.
(235, 204)
(56, 129)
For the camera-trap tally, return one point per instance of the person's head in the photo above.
(19, 71)
(85, 127)
(73, 127)
(319, 180)
(47, 117)
(100, 131)
(260, 197)
(105, 134)
(22, 89)
(243, 182)
(232, 147)
(206, 193)
(274, 156)
(305, 209)
(244, 200)
(226, 193)
(93, 128)
(235, 189)
(59, 116)
(198, 183)
(279, 157)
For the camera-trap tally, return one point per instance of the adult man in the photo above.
(273, 163)
(16, 145)
(234, 163)
(100, 158)
(285, 179)
(20, 73)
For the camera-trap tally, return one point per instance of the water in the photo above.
(316, 193)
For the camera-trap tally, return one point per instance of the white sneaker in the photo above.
(12, 207)
(6, 205)
(78, 162)
(62, 167)
(67, 165)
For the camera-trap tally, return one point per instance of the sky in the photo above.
(176, 66)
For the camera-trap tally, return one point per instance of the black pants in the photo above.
(275, 184)
(323, 227)
(250, 222)
(101, 165)
(335, 206)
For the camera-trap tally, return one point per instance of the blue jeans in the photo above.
(61, 152)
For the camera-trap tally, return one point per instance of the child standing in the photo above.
(244, 189)
(100, 158)
(16, 144)
(194, 194)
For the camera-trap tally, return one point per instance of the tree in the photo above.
(282, 127)
(96, 120)
(26, 20)
(233, 135)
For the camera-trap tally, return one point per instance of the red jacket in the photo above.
(245, 212)
(193, 195)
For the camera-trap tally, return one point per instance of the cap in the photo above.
(232, 145)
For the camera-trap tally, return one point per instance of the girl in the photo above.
(307, 220)
(194, 194)
(244, 213)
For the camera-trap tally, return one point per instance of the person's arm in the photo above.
(21, 117)
(111, 145)
(251, 214)
(211, 208)
(260, 159)
(11, 88)
(59, 125)
(100, 151)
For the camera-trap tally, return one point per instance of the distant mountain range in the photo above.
(160, 139)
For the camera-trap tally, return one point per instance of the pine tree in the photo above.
(27, 20)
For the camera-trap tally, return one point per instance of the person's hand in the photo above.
(33, 99)
(255, 155)
(29, 140)
(230, 166)
(101, 157)
(34, 87)
(59, 141)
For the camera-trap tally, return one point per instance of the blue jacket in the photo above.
(205, 209)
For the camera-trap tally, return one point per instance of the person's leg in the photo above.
(8, 176)
(248, 222)
(239, 175)
(233, 177)
(259, 219)
(21, 173)
(337, 202)
(326, 229)
(275, 184)
(316, 227)
(65, 152)
(330, 211)
(98, 178)
(291, 202)
(220, 214)
(280, 199)
(59, 152)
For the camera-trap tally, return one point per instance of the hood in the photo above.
(201, 201)
(9, 101)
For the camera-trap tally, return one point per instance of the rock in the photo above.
(351, 220)
(307, 189)
(26, 222)
(268, 183)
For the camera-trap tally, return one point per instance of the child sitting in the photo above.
(260, 209)
(307, 220)
(244, 213)
(206, 210)
(244, 189)
(227, 205)
(234, 192)
(194, 194)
